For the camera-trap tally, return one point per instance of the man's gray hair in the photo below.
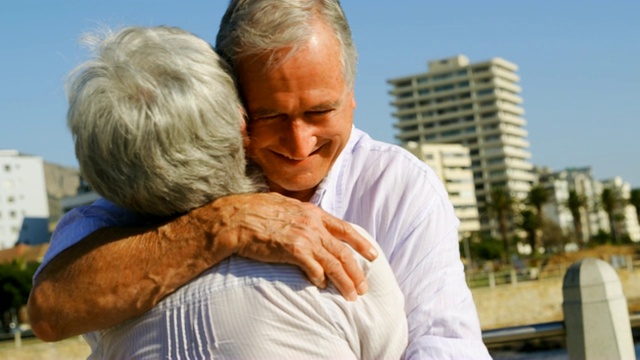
(156, 121)
(254, 27)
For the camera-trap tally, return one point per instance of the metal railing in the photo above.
(535, 331)
(513, 276)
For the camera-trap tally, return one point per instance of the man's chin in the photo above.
(301, 190)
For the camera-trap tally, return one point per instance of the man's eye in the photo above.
(267, 117)
(320, 112)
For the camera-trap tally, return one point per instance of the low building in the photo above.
(24, 207)
(452, 163)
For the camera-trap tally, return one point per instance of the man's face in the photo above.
(300, 115)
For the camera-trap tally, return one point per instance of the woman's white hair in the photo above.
(156, 121)
(252, 27)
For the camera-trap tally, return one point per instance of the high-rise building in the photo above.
(476, 105)
(453, 165)
(24, 209)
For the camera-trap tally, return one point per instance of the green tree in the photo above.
(611, 201)
(529, 222)
(15, 284)
(575, 203)
(487, 248)
(537, 197)
(500, 206)
(634, 199)
(553, 237)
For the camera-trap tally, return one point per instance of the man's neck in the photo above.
(304, 195)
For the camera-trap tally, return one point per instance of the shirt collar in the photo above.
(328, 195)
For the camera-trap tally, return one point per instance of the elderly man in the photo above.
(158, 128)
(295, 62)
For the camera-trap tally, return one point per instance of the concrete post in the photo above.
(17, 338)
(596, 315)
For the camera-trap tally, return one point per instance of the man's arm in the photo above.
(442, 318)
(115, 274)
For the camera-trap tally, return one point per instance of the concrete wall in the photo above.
(535, 302)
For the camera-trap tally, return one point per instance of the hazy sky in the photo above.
(578, 62)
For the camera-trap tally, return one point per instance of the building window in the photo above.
(442, 76)
(480, 69)
(451, 133)
(443, 88)
(484, 92)
(448, 122)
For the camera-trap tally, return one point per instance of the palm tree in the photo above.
(537, 197)
(575, 203)
(500, 205)
(634, 199)
(529, 223)
(610, 201)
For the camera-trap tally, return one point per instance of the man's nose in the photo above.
(299, 139)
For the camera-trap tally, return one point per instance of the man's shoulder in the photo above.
(373, 159)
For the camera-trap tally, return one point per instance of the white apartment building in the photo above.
(583, 183)
(476, 105)
(453, 165)
(557, 184)
(593, 218)
(628, 224)
(24, 209)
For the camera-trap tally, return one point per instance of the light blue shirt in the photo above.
(403, 204)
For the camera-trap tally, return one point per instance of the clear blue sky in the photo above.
(579, 66)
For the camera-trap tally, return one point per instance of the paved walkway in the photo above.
(70, 349)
